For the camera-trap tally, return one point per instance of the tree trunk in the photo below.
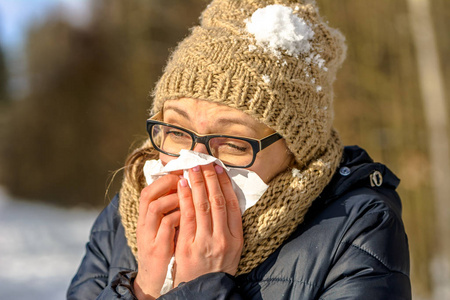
(435, 110)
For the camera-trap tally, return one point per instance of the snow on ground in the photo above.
(41, 247)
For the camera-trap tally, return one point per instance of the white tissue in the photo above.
(168, 282)
(247, 185)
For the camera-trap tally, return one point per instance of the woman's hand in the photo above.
(210, 237)
(155, 234)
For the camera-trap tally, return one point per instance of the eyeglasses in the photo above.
(233, 151)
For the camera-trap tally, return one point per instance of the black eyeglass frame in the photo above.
(257, 144)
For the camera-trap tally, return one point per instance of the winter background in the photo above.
(41, 245)
(74, 81)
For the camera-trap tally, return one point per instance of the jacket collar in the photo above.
(357, 169)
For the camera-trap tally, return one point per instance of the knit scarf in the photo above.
(269, 222)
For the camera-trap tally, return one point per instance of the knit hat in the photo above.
(276, 61)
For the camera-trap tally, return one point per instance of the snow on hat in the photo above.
(274, 60)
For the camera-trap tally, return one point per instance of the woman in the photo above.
(252, 87)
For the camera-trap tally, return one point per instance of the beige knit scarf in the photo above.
(268, 223)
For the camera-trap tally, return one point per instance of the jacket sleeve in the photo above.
(92, 278)
(220, 286)
(372, 259)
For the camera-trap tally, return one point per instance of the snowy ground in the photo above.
(41, 247)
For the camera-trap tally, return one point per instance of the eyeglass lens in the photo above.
(231, 151)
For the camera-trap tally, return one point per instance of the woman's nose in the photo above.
(199, 147)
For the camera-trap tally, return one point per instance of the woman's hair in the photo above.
(134, 165)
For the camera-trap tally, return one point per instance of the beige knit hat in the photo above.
(275, 60)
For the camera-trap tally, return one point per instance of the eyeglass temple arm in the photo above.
(267, 141)
(157, 116)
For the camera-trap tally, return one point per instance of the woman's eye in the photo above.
(237, 147)
(230, 146)
(176, 134)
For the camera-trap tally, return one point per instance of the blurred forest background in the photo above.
(86, 103)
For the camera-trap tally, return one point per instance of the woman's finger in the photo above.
(201, 202)
(160, 187)
(234, 215)
(166, 232)
(187, 220)
(157, 210)
(216, 198)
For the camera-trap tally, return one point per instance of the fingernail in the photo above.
(196, 168)
(219, 169)
(183, 182)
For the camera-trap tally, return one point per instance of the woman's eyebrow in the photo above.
(178, 111)
(227, 121)
(231, 120)
(220, 122)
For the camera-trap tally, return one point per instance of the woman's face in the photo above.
(206, 117)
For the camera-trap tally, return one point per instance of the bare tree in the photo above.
(433, 96)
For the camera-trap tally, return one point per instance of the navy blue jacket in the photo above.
(352, 245)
